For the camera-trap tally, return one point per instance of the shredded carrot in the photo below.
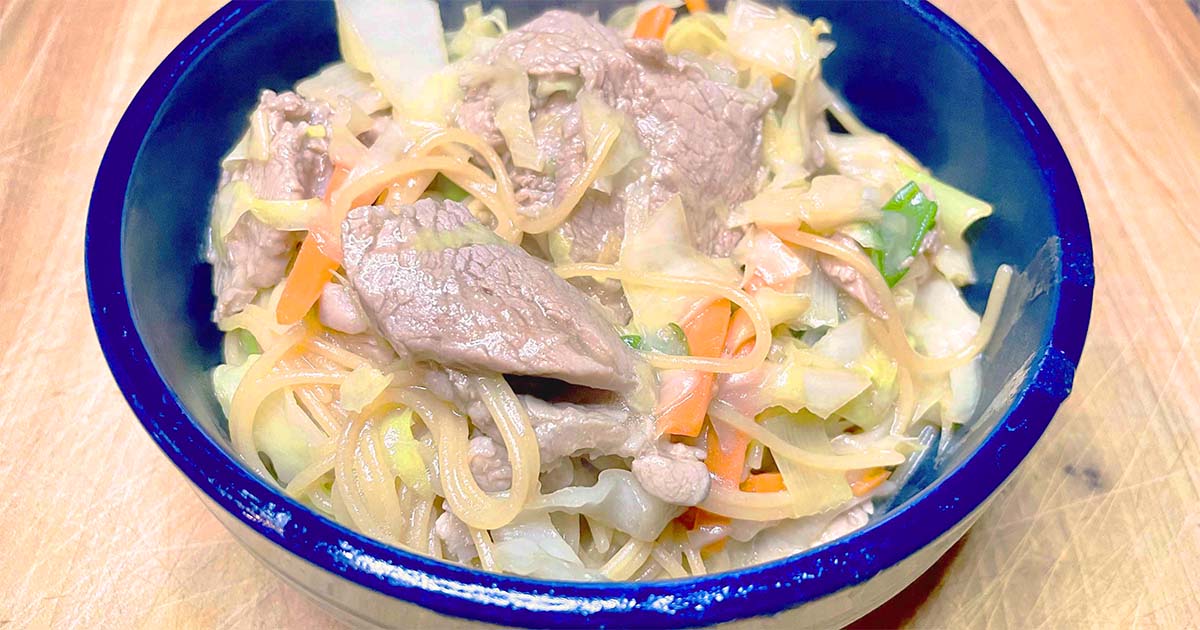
(696, 6)
(740, 335)
(863, 482)
(304, 284)
(727, 462)
(714, 547)
(688, 394)
(653, 23)
(764, 482)
(313, 267)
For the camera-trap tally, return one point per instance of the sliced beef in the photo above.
(255, 256)
(848, 279)
(440, 286)
(565, 429)
(702, 136)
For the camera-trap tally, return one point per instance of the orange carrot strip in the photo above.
(653, 23)
(684, 410)
(726, 462)
(764, 482)
(696, 6)
(304, 284)
(741, 333)
(313, 266)
(863, 482)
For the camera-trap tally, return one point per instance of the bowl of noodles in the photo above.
(590, 313)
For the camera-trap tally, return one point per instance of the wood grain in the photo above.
(1101, 527)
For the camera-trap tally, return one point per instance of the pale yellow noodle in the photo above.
(893, 334)
(323, 416)
(577, 189)
(780, 448)
(465, 498)
(340, 356)
(309, 475)
(483, 546)
(744, 363)
(668, 559)
(628, 559)
(695, 561)
(250, 395)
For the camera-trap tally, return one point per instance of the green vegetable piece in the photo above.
(448, 189)
(669, 339)
(633, 341)
(907, 217)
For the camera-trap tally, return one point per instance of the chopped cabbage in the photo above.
(510, 90)
(828, 203)
(782, 308)
(405, 451)
(813, 490)
(237, 198)
(956, 209)
(702, 34)
(531, 546)
(807, 380)
(596, 115)
(401, 44)
(845, 343)
(341, 80)
(361, 387)
(285, 434)
(942, 324)
(617, 500)
(479, 31)
(871, 159)
(662, 244)
(226, 379)
(776, 40)
(822, 294)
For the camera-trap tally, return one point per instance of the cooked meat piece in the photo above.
(488, 460)
(565, 429)
(338, 309)
(848, 278)
(691, 127)
(440, 286)
(676, 474)
(455, 537)
(255, 256)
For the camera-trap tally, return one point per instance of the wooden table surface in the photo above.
(1101, 527)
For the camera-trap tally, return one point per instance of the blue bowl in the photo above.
(906, 68)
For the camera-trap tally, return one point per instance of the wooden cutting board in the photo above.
(1101, 527)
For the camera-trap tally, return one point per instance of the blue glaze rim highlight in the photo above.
(507, 600)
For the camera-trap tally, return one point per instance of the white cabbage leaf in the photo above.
(616, 500)
(827, 203)
(660, 243)
(401, 44)
(813, 490)
(361, 387)
(531, 546)
(341, 80)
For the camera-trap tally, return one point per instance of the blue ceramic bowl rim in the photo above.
(456, 590)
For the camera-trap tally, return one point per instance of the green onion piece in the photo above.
(907, 217)
(633, 341)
